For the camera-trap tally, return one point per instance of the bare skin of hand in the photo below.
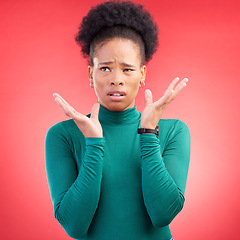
(153, 111)
(90, 127)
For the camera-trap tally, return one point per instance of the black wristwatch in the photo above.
(147, 130)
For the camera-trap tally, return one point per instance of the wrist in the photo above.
(149, 130)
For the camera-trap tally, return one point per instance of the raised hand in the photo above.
(90, 127)
(153, 111)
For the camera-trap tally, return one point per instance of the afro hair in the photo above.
(124, 15)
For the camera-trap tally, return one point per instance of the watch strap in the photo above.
(148, 130)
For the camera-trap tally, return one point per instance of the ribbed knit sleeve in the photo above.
(164, 174)
(75, 194)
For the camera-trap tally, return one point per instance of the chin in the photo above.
(117, 106)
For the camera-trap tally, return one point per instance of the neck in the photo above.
(128, 116)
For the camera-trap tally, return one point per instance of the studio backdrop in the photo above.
(198, 39)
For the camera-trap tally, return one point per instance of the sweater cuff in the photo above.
(93, 141)
(149, 145)
(149, 140)
(95, 148)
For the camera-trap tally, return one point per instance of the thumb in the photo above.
(148, 97)
(95, 110)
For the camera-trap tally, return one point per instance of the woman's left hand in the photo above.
(153, 111)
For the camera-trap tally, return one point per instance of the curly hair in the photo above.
(116, 18)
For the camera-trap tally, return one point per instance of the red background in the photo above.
(198, 39)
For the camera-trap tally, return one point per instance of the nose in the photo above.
(117, 79)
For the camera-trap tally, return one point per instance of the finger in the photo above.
(181, 85)
(66, 107)
(148, 97)
(56, 95)
(95, 110)
(164, 100)
(172, 85)
(60, 103)
(70, 112)
(179, 88)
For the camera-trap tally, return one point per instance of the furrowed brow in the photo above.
(127, 65)
(105, 63)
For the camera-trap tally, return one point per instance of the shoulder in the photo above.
(62, 127)
(173, 129)
(65, 130)
(172, 125)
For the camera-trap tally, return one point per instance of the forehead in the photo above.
(118, 49)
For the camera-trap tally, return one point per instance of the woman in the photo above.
(117, 173)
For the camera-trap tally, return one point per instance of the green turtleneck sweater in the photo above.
(122, 186)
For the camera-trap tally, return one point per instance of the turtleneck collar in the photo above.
(129, 116)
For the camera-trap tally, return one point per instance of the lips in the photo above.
(117, 93)
(116, 96)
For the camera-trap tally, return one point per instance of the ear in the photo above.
(143, 73)
(90, 73)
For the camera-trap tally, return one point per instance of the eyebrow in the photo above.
(110, 62)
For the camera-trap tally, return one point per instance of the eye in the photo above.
(128, 70)
(105, 69)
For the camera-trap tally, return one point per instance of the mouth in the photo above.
(117, 95)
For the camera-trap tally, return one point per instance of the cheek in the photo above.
(97, 80)
(135, 82)
(99, 87)
(134, 87)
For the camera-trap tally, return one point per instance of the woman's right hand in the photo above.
(90, 127)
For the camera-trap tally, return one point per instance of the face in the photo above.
(116, 73)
